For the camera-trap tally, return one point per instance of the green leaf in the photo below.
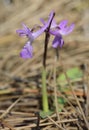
(45, 114)
(61, 100)
(73, 74)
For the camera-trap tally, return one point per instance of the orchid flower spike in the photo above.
(27, 51)
(58, 31)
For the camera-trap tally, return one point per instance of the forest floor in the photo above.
(20, 80)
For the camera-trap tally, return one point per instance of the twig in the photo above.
(9, 109)
(38, 120)
(7, 125)
(49, 123)
(55, 123)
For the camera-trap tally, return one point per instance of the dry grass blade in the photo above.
(54, 122)
(9, 109)
(5, 124)
(55, 89)
(70, 85)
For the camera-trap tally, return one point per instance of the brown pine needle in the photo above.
(9, 109)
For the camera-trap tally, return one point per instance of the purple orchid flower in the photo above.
(27, 51)
(58, 31)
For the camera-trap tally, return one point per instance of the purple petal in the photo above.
(67, 30)
(27, 51)
(25, 32)
(42, 20)
(63, 31)
(40, 31)
(53, 24)
(55, 32)
(21, 32)
(58, 41)
(63, 24)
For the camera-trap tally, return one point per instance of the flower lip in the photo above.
(58, 41)
(27, 51)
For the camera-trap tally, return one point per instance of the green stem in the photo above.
(44, 92)
(44, 88)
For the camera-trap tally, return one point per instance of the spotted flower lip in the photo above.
(27, 50)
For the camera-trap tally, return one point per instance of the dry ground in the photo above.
(20, 81)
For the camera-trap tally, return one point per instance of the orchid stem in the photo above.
(44, 87)
(44, 92)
